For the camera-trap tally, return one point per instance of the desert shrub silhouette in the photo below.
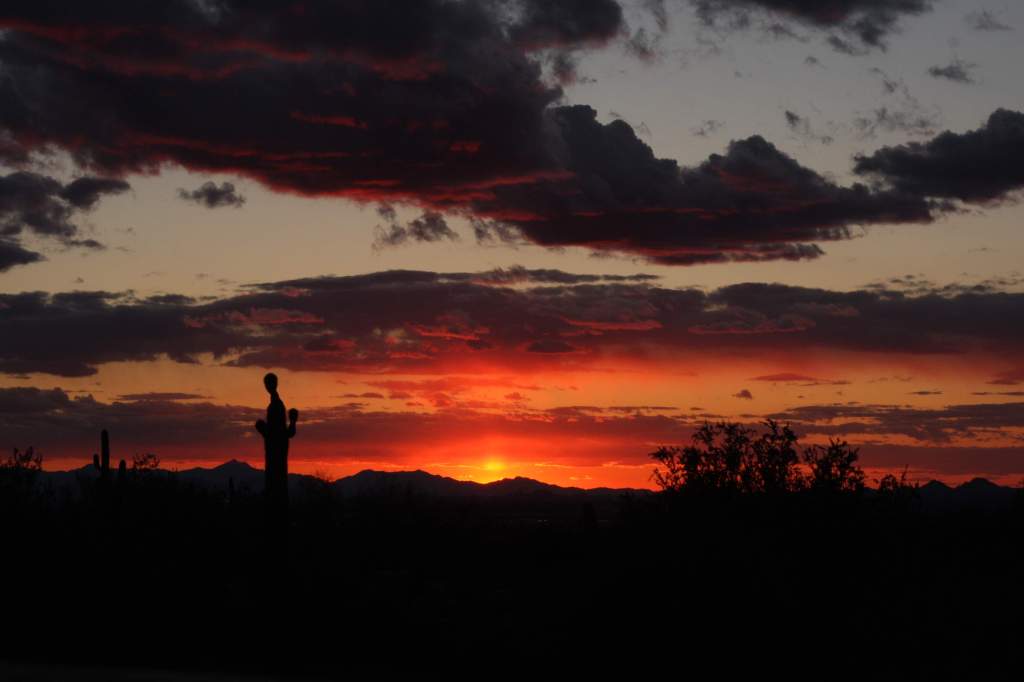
(145, 463)
(898, 492)
(19, 473)
(833, 467)
(22, 467)
(727, 458)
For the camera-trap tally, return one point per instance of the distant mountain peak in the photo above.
(235, 465)
(979, 483)
(935, 485)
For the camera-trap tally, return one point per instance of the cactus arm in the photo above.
(105, 450)
(261, 426)
(293, 416)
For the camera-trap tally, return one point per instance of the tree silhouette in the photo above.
(773, 469)
(715, 461)
(728, 457)
(833, 467)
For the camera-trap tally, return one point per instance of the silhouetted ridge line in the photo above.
(370, 482)
(365, 482)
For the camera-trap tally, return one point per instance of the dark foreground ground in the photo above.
(171, 577)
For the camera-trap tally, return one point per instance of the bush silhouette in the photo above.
(718, 460)
(27, 463)
(19, 471)
(833, 467)
(729, 458)
(145, 463)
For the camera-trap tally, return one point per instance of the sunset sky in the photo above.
(513, 237)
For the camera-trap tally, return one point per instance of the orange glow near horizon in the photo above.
(585, 426)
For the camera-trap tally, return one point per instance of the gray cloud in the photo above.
(45, 207)
(211, 195)
(429, 227)
(957, 71)
(984, 20)
(801, 126)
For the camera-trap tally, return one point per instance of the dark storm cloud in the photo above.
(957, 71)
(376, 91)
(752, 203)
(69, 334)
(45, 207)
(84, 193)
(439, 104)
(544, 23)
(514, 320)
(12, 253)
(979, 166)
(939, 425)
(868, 22)
(211, 195)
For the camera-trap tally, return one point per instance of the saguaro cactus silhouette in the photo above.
(276, 434)
(102, 461)
(108, 495)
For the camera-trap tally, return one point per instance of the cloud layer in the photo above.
(425, 322)
(449, 106)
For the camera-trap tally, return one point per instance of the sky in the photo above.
(494, 238)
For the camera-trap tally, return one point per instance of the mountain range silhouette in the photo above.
(369, 482)
(977, 493)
